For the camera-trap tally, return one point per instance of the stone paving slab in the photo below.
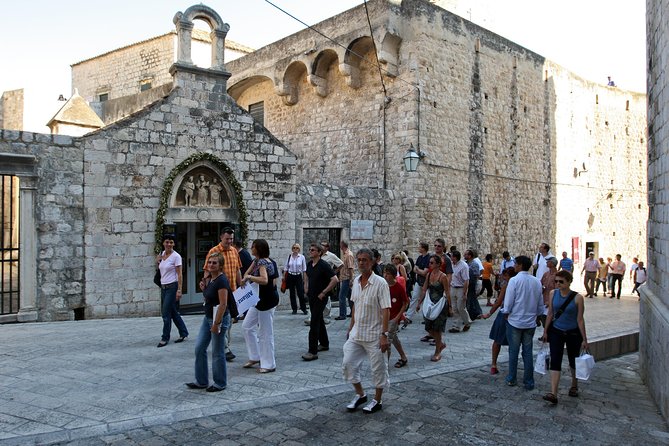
(467, 407)
(66, 380)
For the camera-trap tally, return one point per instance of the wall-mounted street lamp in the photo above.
(411, 159)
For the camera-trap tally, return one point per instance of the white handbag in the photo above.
(432, 310)
(584, 365)
(542, 364)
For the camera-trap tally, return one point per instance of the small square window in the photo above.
(145, 86)
(257, 111)
(103, 97)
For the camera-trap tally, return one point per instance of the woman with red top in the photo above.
(398, 303)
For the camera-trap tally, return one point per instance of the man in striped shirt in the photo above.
(368, 333)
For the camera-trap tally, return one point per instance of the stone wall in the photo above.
(600, 169)
(501, 126)
(98, 197)
(59, 213)
(324, 206)
(654, 319)
(120, 72)
(11, 110)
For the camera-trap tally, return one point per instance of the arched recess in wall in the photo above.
(173, 196)
(350, 67)
(319, 71)
(236, 90)
(291, 82)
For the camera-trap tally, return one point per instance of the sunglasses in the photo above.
(560, 281)
(313, 249)
(438, 246)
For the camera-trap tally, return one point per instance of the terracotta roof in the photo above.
(198, 34)
(77, 111)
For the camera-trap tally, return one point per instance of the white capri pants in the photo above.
(355, 352)
(259, 335)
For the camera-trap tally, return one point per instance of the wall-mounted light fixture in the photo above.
(411, 159)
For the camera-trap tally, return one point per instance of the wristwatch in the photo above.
(385, 333)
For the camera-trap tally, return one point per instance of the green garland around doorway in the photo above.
(167, 190)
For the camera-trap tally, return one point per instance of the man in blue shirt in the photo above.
(566, 264)
(523, 302)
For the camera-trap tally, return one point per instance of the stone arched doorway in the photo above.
(200, 198)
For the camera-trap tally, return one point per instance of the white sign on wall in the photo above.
(362, 229)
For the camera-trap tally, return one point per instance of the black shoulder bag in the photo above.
(560, 310)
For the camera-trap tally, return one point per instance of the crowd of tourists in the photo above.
(440, 289)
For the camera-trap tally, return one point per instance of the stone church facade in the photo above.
(516, 149)
(93, 208)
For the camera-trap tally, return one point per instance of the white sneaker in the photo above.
(373, 406)
(356, 402)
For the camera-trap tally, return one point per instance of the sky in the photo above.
(40, 39)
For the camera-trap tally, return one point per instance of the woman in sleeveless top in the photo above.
(259, 321)
(564, 326)
(436, 284)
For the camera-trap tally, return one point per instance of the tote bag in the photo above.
(432, 310)
(584, 365)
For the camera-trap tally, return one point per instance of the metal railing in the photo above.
(9, 245)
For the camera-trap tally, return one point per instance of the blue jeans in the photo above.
(516, 336)
(218, 366)
(344, 288)
(169, 311)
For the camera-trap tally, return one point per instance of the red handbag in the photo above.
(284, 282)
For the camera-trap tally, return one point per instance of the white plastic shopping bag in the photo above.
(542, 364)
(584, 365)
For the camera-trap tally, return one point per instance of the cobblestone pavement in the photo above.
(80, 380)
(468, 407)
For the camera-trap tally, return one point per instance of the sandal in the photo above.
(550, 398)
(426, 338)
(266, 370)
(573, 391)
(435, 358)
(400, 363)
(250, 364)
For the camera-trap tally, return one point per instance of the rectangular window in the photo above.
(145, 85)
(257, 111)
(103, 97)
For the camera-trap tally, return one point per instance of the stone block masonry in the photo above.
(503, 129)
(59, 215)
(654, 320)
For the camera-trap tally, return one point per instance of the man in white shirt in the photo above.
(507, 262)
(591, 269)
(523, 302)
(459, 287)
(367, 335)
(539, 262)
